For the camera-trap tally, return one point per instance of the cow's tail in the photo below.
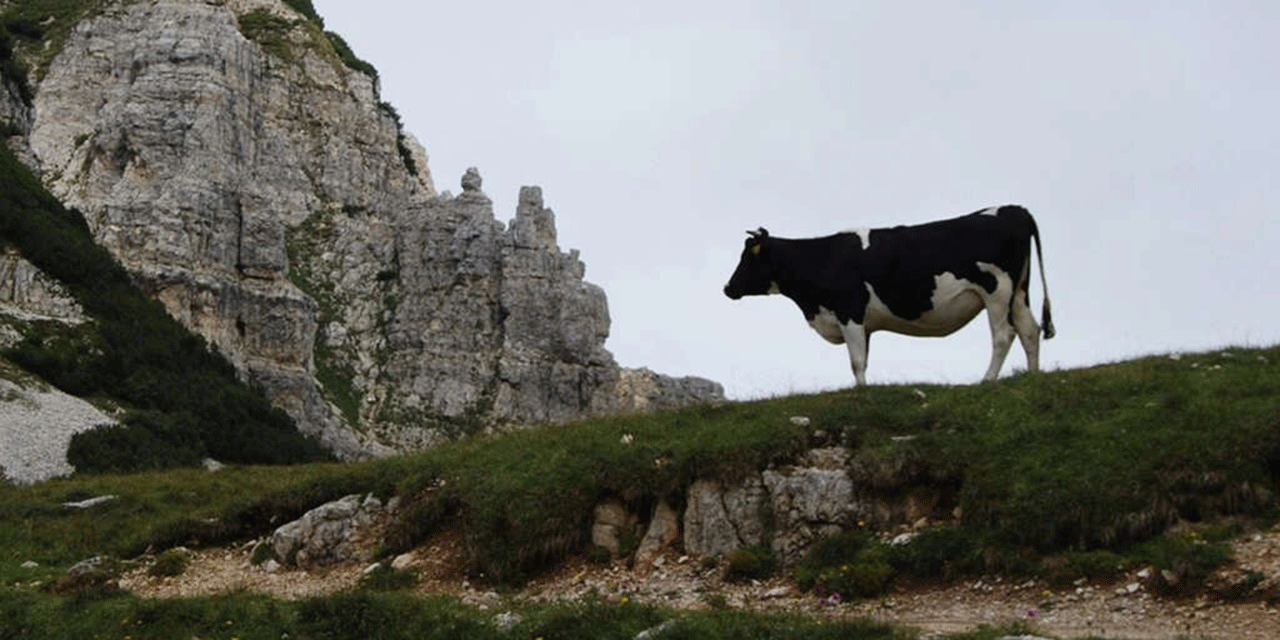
(1046, 318)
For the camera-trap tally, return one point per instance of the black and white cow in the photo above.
(921, 280)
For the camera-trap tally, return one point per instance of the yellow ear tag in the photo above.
(755, 251)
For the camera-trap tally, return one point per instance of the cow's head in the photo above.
(753, 277)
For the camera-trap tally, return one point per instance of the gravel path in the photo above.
(1118, 610)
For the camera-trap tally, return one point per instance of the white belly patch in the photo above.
(955, 302)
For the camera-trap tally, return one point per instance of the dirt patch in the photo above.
(1123, 609)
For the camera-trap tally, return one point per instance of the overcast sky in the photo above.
(1142, 135)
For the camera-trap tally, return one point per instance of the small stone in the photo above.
(271, 566)
(30, 564)
(1133, 587)
(776, 592)
(371, 568)
(800, 421)
(902, 539)
(212, 465)
(506, 621)
(402, 561)
(656, 632)
(85, 504)
(1145, 573)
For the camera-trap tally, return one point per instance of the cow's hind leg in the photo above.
(856, 339)
(1028, 331)
(1001, 334)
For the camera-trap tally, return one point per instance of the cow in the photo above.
(921, 280)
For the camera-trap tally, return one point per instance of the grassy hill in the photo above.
(1071, 471)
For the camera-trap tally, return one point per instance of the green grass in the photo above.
(1028, 456)
(388, 616)
(1069, 462)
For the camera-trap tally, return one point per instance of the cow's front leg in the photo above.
(856, 339)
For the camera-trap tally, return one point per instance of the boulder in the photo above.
(332, 533)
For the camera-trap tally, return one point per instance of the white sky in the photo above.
(1142, 135)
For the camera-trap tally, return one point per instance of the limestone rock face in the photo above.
(805, 502)
(26, 293)
(663, 529)
(813, 500)
(719, 520)
(257, 186)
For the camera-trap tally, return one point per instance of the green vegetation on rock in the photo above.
(333, 369)
(41, 27)
(275, 34)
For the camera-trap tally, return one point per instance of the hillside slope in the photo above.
(1098, 458)
(1069, 478)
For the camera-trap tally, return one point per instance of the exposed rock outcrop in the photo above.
(334, 532)
(721, 519)
(812, 500)
(251, 180)
(790, 507)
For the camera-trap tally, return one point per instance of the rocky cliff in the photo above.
(238, 161)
